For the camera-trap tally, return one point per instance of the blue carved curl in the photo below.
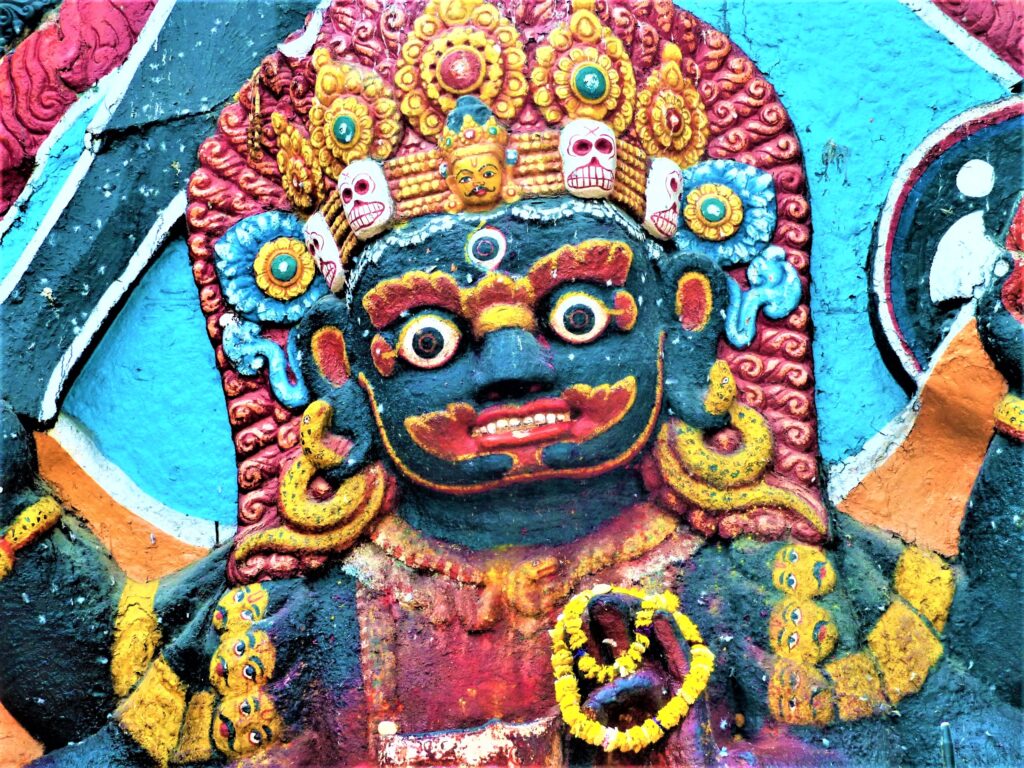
(774, 289)
(253, 310)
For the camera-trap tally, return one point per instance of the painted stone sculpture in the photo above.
(510, 305)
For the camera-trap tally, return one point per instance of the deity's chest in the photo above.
(450, 643)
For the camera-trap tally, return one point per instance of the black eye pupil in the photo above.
(579, 319)
(428, 343)
(485, 248)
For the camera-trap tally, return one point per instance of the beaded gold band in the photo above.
(28, 526)
(419, 190)
(567, 636)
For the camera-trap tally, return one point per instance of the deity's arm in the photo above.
(77, 634)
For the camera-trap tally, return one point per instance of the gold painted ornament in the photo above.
(670, 117)
(713, 212)
(354, 114)
(584, 71)
(284, 268)
(458, 48)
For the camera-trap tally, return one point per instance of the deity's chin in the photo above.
(482, 474)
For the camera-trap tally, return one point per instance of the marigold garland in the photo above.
(568, 638)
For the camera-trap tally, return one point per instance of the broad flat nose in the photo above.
(512, 363)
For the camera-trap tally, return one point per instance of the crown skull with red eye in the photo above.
(589, 158)
(664, 187)
(365, 198)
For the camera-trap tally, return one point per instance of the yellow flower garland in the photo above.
(624, 665)
(567, 690)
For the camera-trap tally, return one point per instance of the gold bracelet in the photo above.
(31, 524)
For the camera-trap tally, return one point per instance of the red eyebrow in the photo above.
(387, 300)
(594, 261)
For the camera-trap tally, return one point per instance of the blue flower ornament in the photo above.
(269, 278)
(729, 215)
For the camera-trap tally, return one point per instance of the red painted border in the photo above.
(43, 76)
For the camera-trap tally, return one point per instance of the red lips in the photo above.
(582, 412)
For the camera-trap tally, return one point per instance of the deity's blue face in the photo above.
(504, 349)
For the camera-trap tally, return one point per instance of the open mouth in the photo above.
(581, 413)
(364, 214)
(589, 176)
(667, 221)
(538, 421)
(329, 271)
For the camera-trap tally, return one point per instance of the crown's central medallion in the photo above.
(461, 70)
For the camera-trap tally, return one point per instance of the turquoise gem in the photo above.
(591, 83)
(344, 129)
(284, 267)
(713, 210)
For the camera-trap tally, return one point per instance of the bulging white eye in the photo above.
(428, 341)
(578, 317)
(486, 248)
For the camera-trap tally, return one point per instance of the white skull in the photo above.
(365, 197)
(664, 185)
(320, 243)
(588, 155)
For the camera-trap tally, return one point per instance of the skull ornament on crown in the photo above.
(365, 198)
(326, 255)
(588, 151)
(664, 186)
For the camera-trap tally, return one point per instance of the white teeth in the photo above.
(516, 426)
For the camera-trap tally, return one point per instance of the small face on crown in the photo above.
(478, 178)
(475, 162)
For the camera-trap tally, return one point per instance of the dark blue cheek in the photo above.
(414, 392)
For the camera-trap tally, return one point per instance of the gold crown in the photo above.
(457, 49)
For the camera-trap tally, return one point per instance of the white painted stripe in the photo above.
(122, 77)
(846, 475)
(52, 215)
(75, 111)
(886, 223)
(303, 44)
(115, 85)
(971, 46)
(191, 530)
(136, 264)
